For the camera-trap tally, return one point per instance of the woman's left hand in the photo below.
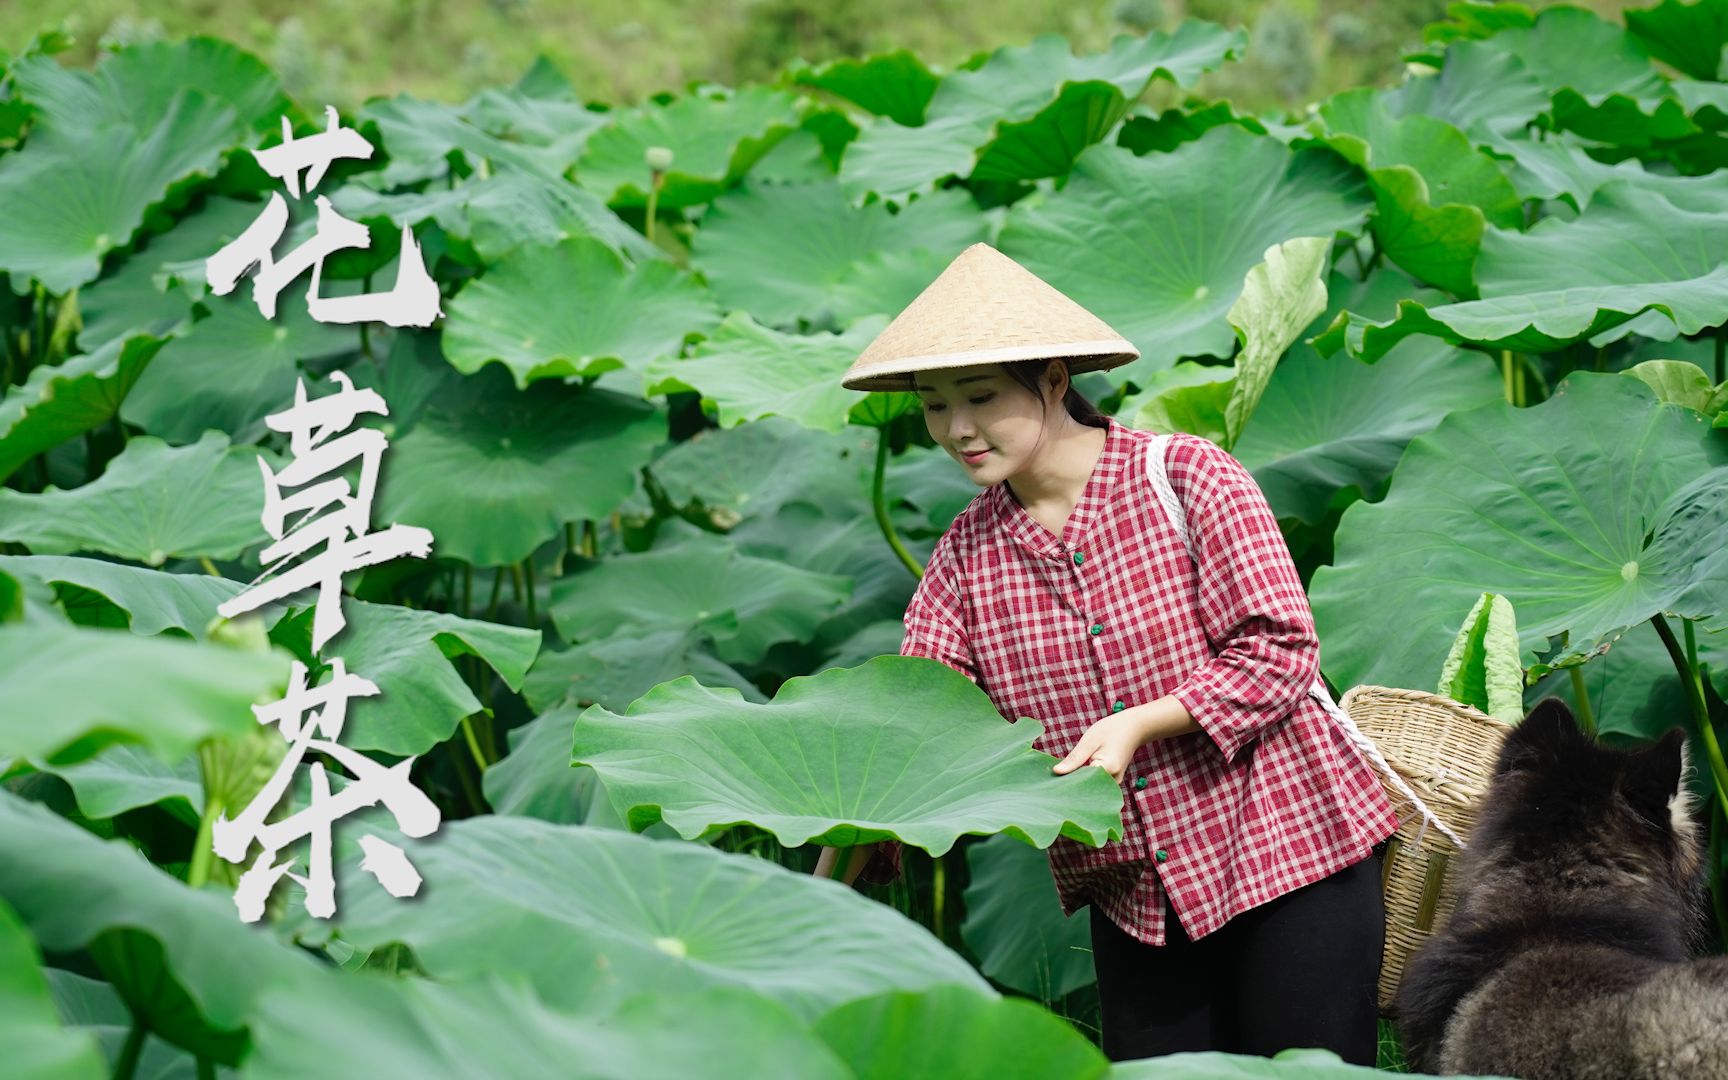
(1110, 744)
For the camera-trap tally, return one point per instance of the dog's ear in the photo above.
(1542, 740)
(1653, 775)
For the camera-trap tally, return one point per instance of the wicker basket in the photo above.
(1445, 750)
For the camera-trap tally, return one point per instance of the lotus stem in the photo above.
(881, 507)
(1585, 715)
(209, 567)
(198, 870)
(474, 744)
(497, 582)
(127, 1063)
(939, 886)
(365, 340)
(1695, 697)
(39, 330)
(528, 587)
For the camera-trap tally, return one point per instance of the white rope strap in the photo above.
(1157, 445)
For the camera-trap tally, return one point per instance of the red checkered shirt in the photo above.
(1270, 794)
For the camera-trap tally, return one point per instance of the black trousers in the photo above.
(1299, 970)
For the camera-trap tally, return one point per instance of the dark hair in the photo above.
(1027, 374)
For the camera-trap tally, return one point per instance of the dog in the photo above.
(1581, 909)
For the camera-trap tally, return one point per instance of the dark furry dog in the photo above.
(1580, 909)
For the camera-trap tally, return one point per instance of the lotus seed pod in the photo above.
(659, 158)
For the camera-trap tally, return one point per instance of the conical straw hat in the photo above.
(986, 308)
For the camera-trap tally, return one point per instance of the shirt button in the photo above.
(1079, 557)
(1097, 628)
(1118, 707)
(1139, 783)
(1161, 855)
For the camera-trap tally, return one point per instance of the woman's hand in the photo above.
(860, 857)
(1110, 743)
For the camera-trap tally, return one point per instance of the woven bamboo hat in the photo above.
(986, 308)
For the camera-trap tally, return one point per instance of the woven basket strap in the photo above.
(1156, 448)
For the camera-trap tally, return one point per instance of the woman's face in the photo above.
(981, 408)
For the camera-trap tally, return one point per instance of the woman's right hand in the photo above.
(859, 858)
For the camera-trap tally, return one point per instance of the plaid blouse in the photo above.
(1270, 794)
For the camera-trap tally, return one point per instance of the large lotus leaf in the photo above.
(615, 671)
(59, 402)
(1590, 512)
(495, 472)
(1680, 382)
(153, 502)
(36, 1044)
(96, 592)
(1295, 1063)
(573, 309)
(535, 779)
(1189, 397)
(714, 141)
(893, 84)
(110, 143)
(138, 83)
(1157, 248)
(142, 295)
(501, 212)
(495, 1025)
(925, 477)
(1632, 250)
(1434, 192)
(416, 132)
(1482, 90)
(95, 1007)
(1015, 926)
(1690, 36)
(886, 772)
(70, 691)
(1279, 297)
(1616, 96)
(72, 197)
(801, 535)
(1635, 692)
(750, 371)
(1557, 167)
(409, 654)
(1327, 424)
(586, 913)
(779, 251)
(1028, 110)
(1307, 383)
(799, 158)
(952, 1031)
(877, 639)
(70, 887)
(718, 472)
(124, 777)
(747, 604)
(231, 370)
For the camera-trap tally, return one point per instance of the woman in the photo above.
(1241, 910)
